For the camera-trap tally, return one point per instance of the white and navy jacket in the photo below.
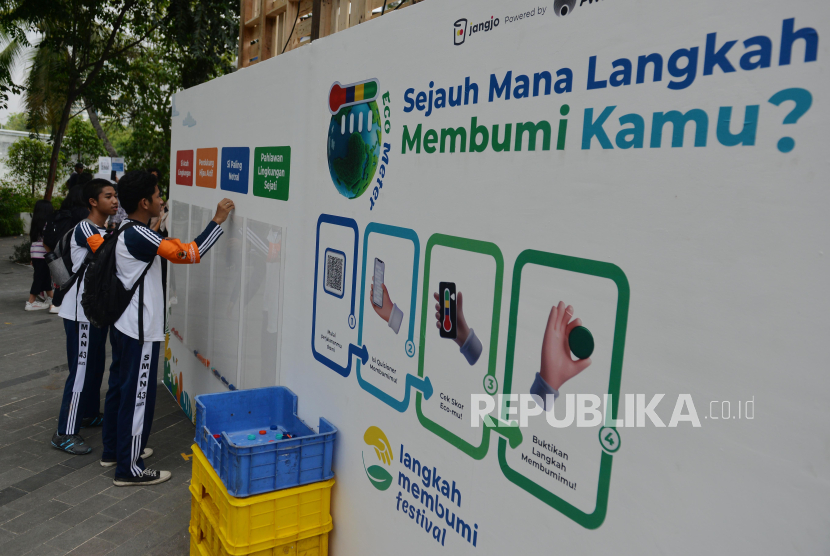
(85, 240)
(139, 246)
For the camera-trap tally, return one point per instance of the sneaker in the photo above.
(36, 306)
(70, 443)
(146, 453)
(96, 421)
(149, 477)
(47, 300)
(54, 309)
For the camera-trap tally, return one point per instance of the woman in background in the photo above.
(42, 281)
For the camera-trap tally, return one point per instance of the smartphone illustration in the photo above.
(446, 293)
(377, 297)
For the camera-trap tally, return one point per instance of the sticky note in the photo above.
(272, 170)
(184, 167)
(234, 169)
(206, 167)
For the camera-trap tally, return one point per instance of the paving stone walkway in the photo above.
(52, 503)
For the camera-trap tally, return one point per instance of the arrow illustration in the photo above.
(361, 352)
(422, 384)
(512, 433)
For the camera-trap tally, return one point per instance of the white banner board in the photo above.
(627, 202)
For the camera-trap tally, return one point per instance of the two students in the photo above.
(137, 334)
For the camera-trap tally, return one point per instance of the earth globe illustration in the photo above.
(354, 140)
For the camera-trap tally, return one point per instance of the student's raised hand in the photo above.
(223, 209)
(557, 365)
(463, 331)
(386, 311)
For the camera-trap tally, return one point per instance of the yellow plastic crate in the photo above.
(263, 521)
(205, 542)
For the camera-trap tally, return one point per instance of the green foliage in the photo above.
(22, 253)
(81, 144)
(17, 122)
(204, 35)
(28, 165)
(11, 205)
(145, 102)
(196, 42)
(124, 58)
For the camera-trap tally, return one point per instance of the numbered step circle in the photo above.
(352, 321)
(491, 385)
(410, 348)
(609, 438)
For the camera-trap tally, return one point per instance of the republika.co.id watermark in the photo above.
(590, 410)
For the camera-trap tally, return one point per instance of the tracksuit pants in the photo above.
(86, 355)
(130, 403)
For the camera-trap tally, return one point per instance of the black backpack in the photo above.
(105, 298)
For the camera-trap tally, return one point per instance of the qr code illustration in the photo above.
(335, 278)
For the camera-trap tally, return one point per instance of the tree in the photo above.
(28, 164)
(80, 40)
(196, 42)
(204, 36)
(81, 144)
(16, 122)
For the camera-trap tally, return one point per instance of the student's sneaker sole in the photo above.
(54, 309)
(144, 455)
(150, 477)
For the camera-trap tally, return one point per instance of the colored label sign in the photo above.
(234, 169)
(184, 167)
(272, 170)
(206, 167)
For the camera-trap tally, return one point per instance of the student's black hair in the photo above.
(42, 211)
(156, 170)
(93, 188)
(74, 198)
(135, 186)
(79, 165)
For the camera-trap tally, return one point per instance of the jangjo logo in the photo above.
(354, 136)
(461, 30)
(380, 478)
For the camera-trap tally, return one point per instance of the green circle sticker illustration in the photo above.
(609, 438)
(491, 385)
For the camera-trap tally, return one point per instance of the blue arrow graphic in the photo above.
(360, 352)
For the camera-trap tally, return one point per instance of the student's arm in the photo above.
(91, 236)
(191, 253)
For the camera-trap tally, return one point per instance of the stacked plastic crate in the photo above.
(262, 478)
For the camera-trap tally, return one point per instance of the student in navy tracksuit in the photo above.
(128, 410)
(85, 344)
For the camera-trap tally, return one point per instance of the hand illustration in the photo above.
(557, 365)
(461, 323)
(375, 437)
(386, 311)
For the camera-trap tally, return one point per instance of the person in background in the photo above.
(114, 221)
(42, 280)
(131, 397)
(72, 211)
(85, 344)
(73, 178)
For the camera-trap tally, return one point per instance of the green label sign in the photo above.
(272, 170)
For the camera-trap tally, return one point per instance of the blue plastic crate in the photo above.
(264, 464)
